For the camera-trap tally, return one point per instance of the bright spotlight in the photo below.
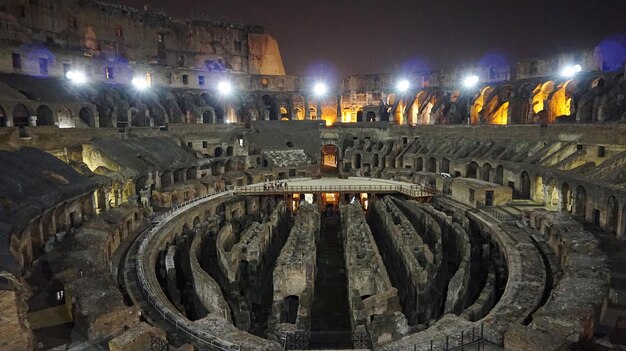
(571, 71)
(471, 81)
(225, 88)
(76, 77)
(320, 89)
(140, 83)
(404, 85)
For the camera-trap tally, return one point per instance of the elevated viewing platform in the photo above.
(337, 185)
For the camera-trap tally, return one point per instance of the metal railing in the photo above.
(408, 189)
(171, 317)
(473, 338)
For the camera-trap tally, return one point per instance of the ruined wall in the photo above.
(573, 311)
(294, 275)
(374, 303)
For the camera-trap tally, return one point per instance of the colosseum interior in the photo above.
(183, 216)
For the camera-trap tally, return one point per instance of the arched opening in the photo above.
(45, 116)
(196, 221)
(86, 116)
(538, 191)
(192, 173)
(65, 118)
(486, 173)
(166, 179)
(445, 166)
(370, 116)
(540, 95)
(329, 115)
(299, 114)
(375, 160)
(560, 102)
(612, 214)
(312, 113)
(208, 116)
(179, 176)
(284, 114)
(476, 110)
(217, 168)
(419, 164)
(3, 118)
(289, 313)
(431, 165)
(271, 110)
(218, 152)
(566, 195)
(581, 202)
(499, 176)
(525, 185)
(230, 151)
(357, 161)
(472, 170)
(359, 116)
(20, 116)
(329, 157)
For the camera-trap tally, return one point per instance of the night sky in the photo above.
(374, 36)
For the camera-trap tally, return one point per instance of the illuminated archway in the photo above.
(540, 95)
(329, 115)
(560, 101)
(330, 155)
(479, 104)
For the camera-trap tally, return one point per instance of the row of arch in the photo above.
(62, 117)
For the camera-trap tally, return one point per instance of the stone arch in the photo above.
(196, 221)
(581, 202)
(431, 165)
(612, 214)
(471, 170)
(486, 172)
(271, 111)
(359, 116)
(192, 173)
(540, 95)
(21, 114)
(166, 179)
(208, 117)
(64, 117)
(499, 176)
(179, 176)
(230, 151)
(525, 185)
(218, 152)
(330, 156)
(477, 107)
(419, 164)
(370, 116)
(45, 116)
(538, 190)
(375, 160)
(86, 115)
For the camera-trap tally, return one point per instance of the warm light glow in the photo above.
(225, 88)
(570, 71)
(140, 83)
(76, 77)
(471, 81)
(403, 85)
(320, 89)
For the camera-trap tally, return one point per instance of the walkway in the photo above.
(338, 185)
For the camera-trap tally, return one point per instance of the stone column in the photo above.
(307, 113)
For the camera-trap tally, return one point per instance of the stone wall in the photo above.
(294, 276)
(374, 302)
